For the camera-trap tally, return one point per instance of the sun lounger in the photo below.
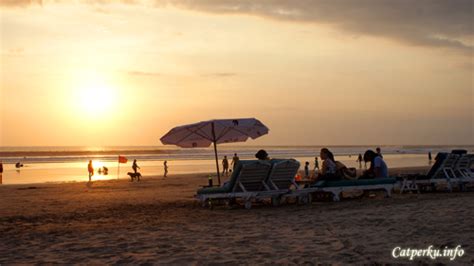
(282, 178)
(337, 187)
(463, 169)
(247, 182)
(442, 172)
(464, 166)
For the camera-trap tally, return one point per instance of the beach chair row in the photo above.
(449, 170)
(252, 181)
(275, 180)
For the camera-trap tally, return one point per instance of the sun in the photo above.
(95, 98)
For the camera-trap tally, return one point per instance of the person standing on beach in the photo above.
(135, 166)
(379, 152)
(165, 164)
(306, 170)
(359, 159)
(235, 161)
(430, 158)
(225, 166)
(90, 168)
(1, 172)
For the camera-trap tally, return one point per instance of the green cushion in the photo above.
(359, 182)
(213, 190)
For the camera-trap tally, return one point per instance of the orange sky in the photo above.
(96, 73)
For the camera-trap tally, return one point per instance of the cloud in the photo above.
(426, 23)
(143, 73)
(20, 3)
(430, 23)
(219, 74)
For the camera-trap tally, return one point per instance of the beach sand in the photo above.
(157, 221)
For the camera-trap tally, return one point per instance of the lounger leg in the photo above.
(248, 204)
(335, 196)
(404, 185)
(276, 201)
(388, 193)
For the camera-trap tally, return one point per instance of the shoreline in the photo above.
(392, 172)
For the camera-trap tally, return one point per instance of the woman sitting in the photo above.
(328, 166)
(378, 167)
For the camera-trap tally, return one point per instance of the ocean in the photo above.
(69, 164)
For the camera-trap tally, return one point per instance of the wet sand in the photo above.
(157, 221)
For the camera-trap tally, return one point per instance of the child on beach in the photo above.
(165, 164)
(225, 166)
(306, 170)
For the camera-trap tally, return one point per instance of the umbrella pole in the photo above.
(215, 153)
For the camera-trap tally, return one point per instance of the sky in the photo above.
(101, 73)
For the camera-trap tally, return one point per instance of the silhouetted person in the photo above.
(328, 166)
(262, 155)
(165, 164)
(306, 170)
(1, 172)
(90, 168)
(18, 165)
(105, 170)
(430, 158)
(378, 167)
(359, 159)
(135, 166)
(379, 152)
(225, 166)
(235, 161)
(316, 163)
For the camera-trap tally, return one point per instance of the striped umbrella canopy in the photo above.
(205, 133)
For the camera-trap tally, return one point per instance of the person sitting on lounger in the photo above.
(262, 155)
(328, 166)
(378, 167)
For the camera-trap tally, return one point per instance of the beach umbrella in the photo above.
(205, 133)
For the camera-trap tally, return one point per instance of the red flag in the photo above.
(122, 159)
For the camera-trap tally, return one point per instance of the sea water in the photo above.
(67, 164)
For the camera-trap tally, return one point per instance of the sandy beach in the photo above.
(157, 221)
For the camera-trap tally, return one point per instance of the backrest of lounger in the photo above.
(449, 162)
(252, 175)
(464, 162)
(440, 158)
(283, 173)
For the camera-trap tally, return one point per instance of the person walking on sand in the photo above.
(235, 161)
(135, 166)
(225, 166)
(165, 165)
(90, 168)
